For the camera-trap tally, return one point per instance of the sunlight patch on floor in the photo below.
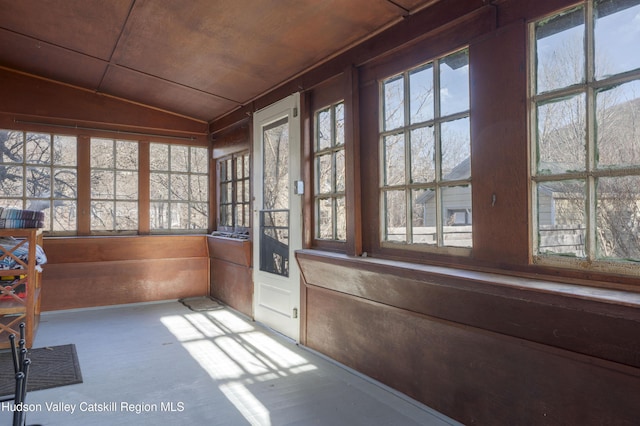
(236, 355)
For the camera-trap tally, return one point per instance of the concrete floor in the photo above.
(163, 364)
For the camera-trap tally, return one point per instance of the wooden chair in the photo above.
(21, 365)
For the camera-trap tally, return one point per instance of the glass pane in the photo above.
(421, 94)
(454, 83)
(339, 111)
(246, 221)
(276, 166)
(274, 242)
(239, 164)
(102, 184)
(423, 168)
(340, 171)
(225, 170)
(11, 181)
(65, 216)
(38, 148)
(159, 156)
(179, 216)
(456, 216)
(423, 216)
(159, 215)
(562, 136)
(12, 146)
(561, 217)
(159, 186)
(226, 215)
(456, 149)
(324, 124)
(126, 155)
(325, 219)
(246, 193)
(65, 151)
(199, 160)
(324, 174)
(560, 51)
(199, 188)
(179, 158)
(126, 185)
(618, 213)
(341, 219)
(199, 216)
(102, 216)
(179, 187)
(38, 182)
(395, 216)
(393, 103)
(394, 167)
(126, 216)
(245, 160)
(618, 125)
(15, 203)
(65, 183)
(102, 153)
(617, 36)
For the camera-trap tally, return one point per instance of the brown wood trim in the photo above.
(144, 188)
(596, 322)
(307, 130)
(84, 185)
(500, 194)
(353, 154)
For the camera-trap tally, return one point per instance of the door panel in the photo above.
(277, 230)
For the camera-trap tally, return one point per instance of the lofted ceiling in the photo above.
(197, 58)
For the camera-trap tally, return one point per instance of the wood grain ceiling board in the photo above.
(200, 58)
(49, 61)
(162, 94)
(91, 27)
(240, 48)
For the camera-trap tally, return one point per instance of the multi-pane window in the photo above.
(179, 187)
(114, 185)
(329, 163)
(425, 149)
(234, 193)
(38, 171)
(585, 115)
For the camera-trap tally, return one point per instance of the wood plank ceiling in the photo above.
(197, 58)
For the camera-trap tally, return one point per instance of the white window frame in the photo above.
(590, 175)
(439, 184)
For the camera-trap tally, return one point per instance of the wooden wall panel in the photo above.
(467, 373)
(231, 273)
(103, 271)
(482, 348)
(66, 105)
(106, 249)
(499, 138)
(232, 284)
(544, 312)
(91, 284)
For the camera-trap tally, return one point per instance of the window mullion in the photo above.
(438, 153)
(407, 159)
(591, 219)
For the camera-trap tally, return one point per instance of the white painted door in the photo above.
(277, 216)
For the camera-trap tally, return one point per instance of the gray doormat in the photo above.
(201, 304)
(50, 367)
